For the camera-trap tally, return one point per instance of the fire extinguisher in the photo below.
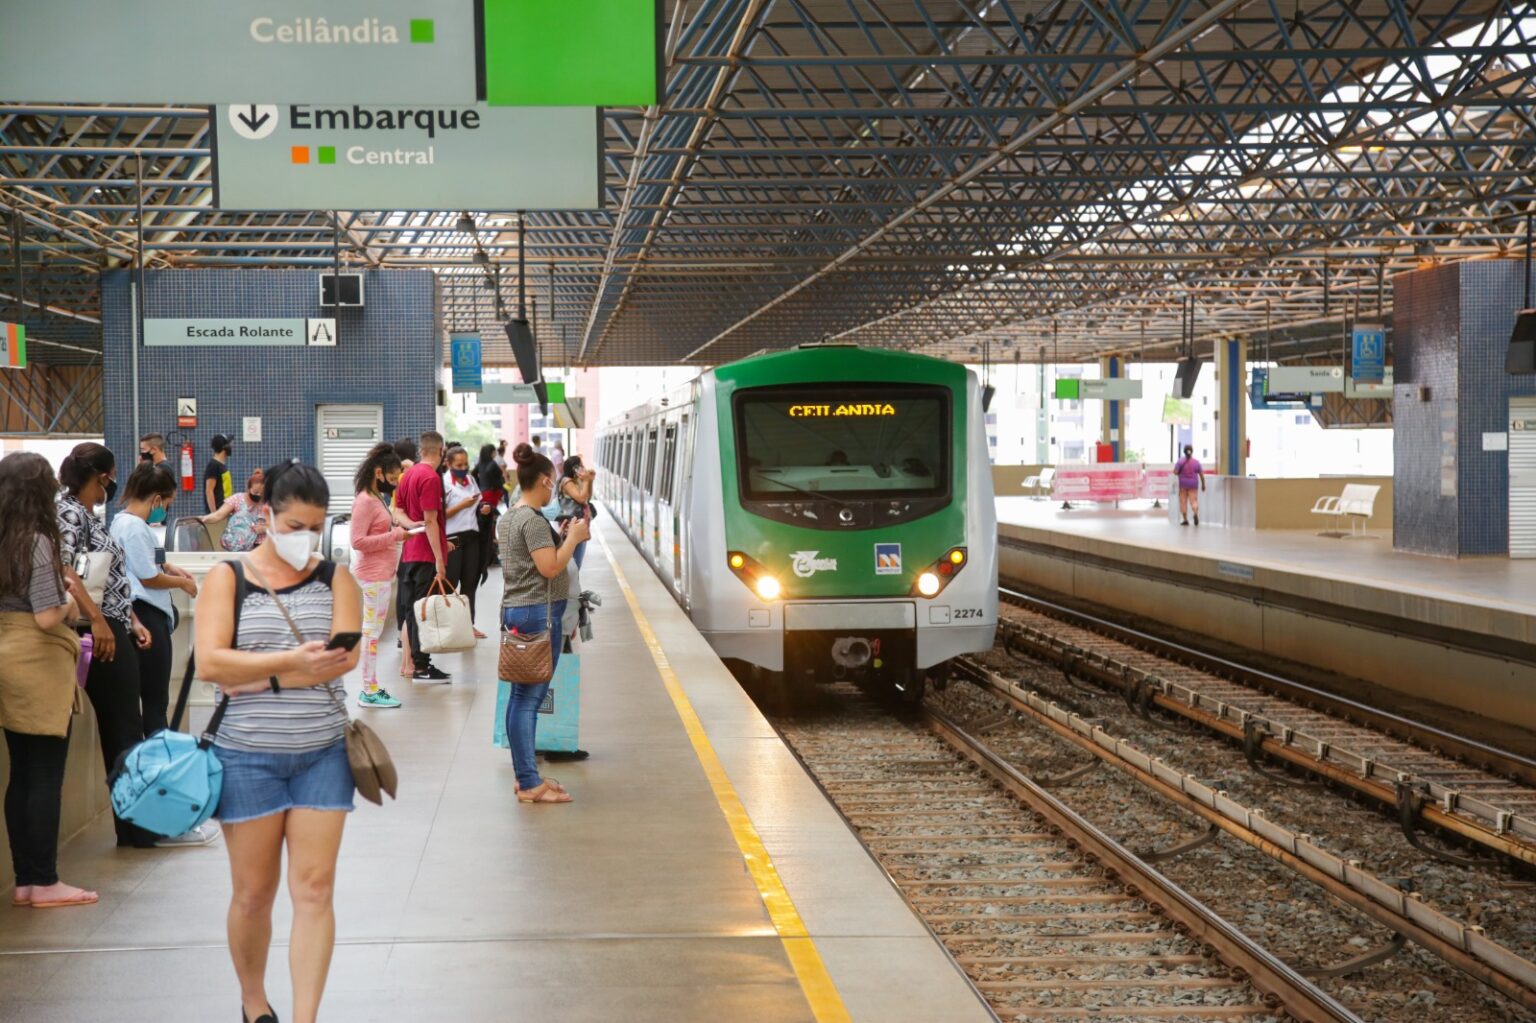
(188, 481)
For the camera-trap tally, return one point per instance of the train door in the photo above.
(684, 504)
(670, 454)
(648, 531)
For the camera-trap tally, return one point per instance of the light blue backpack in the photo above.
(171, 782)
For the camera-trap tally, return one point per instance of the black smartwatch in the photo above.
(276, 687)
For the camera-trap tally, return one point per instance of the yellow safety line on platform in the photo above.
(826, 1004)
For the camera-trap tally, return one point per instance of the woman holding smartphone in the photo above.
(376, 540)
(287, 783)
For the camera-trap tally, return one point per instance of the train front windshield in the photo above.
(845, 441)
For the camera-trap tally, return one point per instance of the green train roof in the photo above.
(840, 362)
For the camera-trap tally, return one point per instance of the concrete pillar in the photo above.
(1113, 421)
(1231, 406)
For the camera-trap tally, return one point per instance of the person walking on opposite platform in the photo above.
(376, 537)
(287, 783)
(535, 588)
(113, 682)
(1191, 482)
(461, 498)
(37, 679)
(424, 559)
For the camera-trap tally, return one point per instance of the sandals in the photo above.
(22, 896)
(544, 793)
(80, 897)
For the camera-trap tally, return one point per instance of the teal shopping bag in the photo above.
(560, 714)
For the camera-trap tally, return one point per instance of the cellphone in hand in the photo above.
(344, 641)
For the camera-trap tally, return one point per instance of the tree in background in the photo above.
(469, 431)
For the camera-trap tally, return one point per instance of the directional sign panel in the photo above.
(564, 53)
(375, 157)
(467, 375)
(1368, 353)
(214, 51)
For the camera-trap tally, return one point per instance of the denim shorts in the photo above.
(261, 784)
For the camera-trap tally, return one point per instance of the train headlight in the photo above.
(738, 561)
(768, 587)
(754, 576)
(932, 580)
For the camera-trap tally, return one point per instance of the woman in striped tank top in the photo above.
(286, 778)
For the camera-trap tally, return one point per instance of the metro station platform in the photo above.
(699, 875)
(1417, 625)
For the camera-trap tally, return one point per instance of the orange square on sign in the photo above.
(300, 154)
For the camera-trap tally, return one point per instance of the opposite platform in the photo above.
(633, 903)
(1419, 625)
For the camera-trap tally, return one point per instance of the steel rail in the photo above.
(1465, 948)
(1461, 813)
(1304, 1000)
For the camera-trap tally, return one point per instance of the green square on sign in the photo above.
(422, 30)
(327, 154)
(555, 53)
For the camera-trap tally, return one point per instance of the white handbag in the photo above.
(444, 624)
(93, 568)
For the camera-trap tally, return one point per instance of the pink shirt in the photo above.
(375, 539)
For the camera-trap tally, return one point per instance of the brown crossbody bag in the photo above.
(528, 658)
(373, 769)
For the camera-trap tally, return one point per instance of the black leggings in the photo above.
(415, 579)
(464, 564)
(32, 805)
(154, 667)
(115, 688)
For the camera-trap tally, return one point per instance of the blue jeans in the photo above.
(581, 550)
(523, 707)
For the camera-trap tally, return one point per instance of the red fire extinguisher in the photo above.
(188, 481)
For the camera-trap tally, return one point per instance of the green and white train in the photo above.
(825, 512)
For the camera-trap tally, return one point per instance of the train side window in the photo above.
(648, 478)
(668, 461)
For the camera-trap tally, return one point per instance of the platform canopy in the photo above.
(936, 175)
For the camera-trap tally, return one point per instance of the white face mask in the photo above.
(296, 547)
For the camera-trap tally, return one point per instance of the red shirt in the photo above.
(421, 491)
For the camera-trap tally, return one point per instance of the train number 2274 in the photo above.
(966, 612)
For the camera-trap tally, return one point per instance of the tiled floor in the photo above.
(456, 903)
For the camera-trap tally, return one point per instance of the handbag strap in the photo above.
(294, 627)
(212, 730)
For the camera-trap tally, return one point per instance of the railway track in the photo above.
(1387, 902)
(1484, 796)
(1049, 916)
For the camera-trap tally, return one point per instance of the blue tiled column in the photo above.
(1232, 407)
(1451, 326)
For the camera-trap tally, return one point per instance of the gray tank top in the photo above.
(294, 720)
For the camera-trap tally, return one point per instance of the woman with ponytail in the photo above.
(376, 539)
(114, 683)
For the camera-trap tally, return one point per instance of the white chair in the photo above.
(1356, 504)
(1040, 483)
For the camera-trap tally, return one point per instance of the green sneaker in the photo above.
(377, 698)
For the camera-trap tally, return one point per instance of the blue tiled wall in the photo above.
(1452, 326)
(388, 353)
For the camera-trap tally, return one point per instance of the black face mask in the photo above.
(146, 456)
(111, 490)
(386, 489)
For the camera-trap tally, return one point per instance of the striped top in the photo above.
(294, 720)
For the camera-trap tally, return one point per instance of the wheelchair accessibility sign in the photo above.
(466, 362)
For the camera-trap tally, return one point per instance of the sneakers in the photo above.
(1197, 518)
(203, 834)
(377, 698)
(432, 675)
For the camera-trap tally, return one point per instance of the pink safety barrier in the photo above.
(1101, 482)
(1156, 482)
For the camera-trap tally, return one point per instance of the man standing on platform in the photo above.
(217, 485)
(424, 559)
(152, 449)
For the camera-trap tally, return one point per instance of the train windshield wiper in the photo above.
(810, 493)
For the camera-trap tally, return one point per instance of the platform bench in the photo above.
(1356, 504)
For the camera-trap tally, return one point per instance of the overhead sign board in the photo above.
(1305, 380)
(1382, 390)
(196, 332)
(199, 52)
(1368, 353)
(559, 53)
(464, 350)
(15, 337)
(519, 394)
(1111, 389)
(1178, 411)
(270, 156)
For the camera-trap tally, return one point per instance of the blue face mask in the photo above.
(157, 516)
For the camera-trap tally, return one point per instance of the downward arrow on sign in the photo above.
(253, 122)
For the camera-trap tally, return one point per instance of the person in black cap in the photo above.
(217, 485)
